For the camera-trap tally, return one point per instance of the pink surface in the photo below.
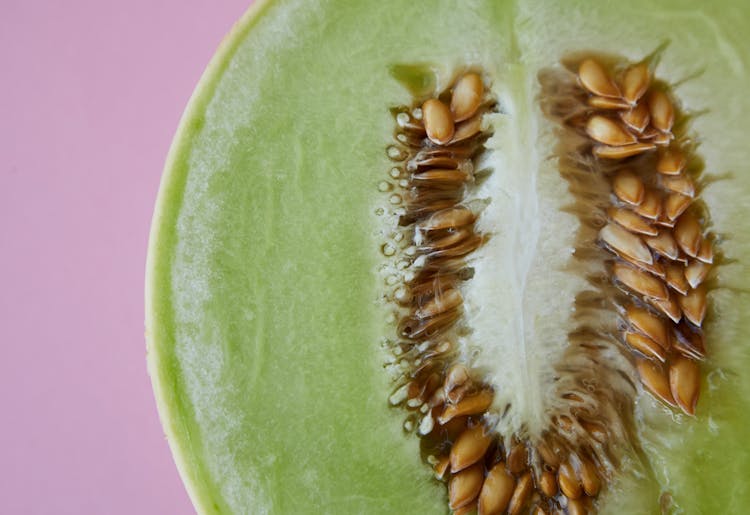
(90, 95)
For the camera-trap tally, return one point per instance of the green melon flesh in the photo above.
(263, 315)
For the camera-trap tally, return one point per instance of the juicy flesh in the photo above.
(551, 305)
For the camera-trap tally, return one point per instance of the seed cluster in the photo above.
(654, 229)
(634, 176)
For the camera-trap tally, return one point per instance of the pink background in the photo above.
(90, 95)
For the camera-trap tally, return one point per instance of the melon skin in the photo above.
(264, 322)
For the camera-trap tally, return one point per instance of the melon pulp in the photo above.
(264, 312)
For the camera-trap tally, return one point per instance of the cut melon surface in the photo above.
(266, 317)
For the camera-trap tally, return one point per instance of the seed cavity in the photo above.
(643, 236)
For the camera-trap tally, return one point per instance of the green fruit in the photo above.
(265, 311)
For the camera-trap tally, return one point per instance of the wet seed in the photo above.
(548, 484)
(440, 303)
(517, 459)
(497, 491)
(694, 305)
(467, 96)
(470, 405)
(676, 278)
(681, 184)
(576, 507)
(467, 129)
(640, 282)
(654, 378)
(687, 233)
(595, 79)
(628, 187)
(637, 118)
(664, 244)
(645, 346)
(626, 243)
(448, 219)
(651, 206)
(568, 481)
(649, 324)
(465, 486)
(607, 131)
(635, 82)
(662, 111)
(469, 448)
(631, 221)
(520, 494)
(696, 272)
(684, 382)
(669, 307)
(607, 103)
(706, 252)
(622, 152)
(671, 162)
(590, 478)
(438, 121)
(675, 204)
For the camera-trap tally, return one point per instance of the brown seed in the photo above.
(671, 162)
(694, 305)
(635, 82)
(440, 178)
(590, 478)
(467, 129)
(625, 243)
(607, 103)
(685, 383)
(517, 459)
(679, 184)
(438, 121)
(706, 252)
(564, 422)
(448, 240)
(637, 118)
(676, 278)
(568, 481)
(651, 206)
(654, 378)
(548, 483)
(610, 152)
(576, 507)
(538, 510)
(469, 447)
(688, 341)
(467, 96)
(607, 131)
(497, 491)
(662, 112)
(466, 245)
(631, 221)
(649, 324)
(640, 282)
(594, 78)
(675, 204)
(687, 232)
(520, 494)
(465, 486)
(696, 272)
(440, 303)
(628, 187)
(664, 244)
(595, 429)
(448, 219)
(441, 467)
(546, 453)
(669, 307)
(471, 405)
(645, 346)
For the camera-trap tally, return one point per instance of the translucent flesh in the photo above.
(264, 309)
